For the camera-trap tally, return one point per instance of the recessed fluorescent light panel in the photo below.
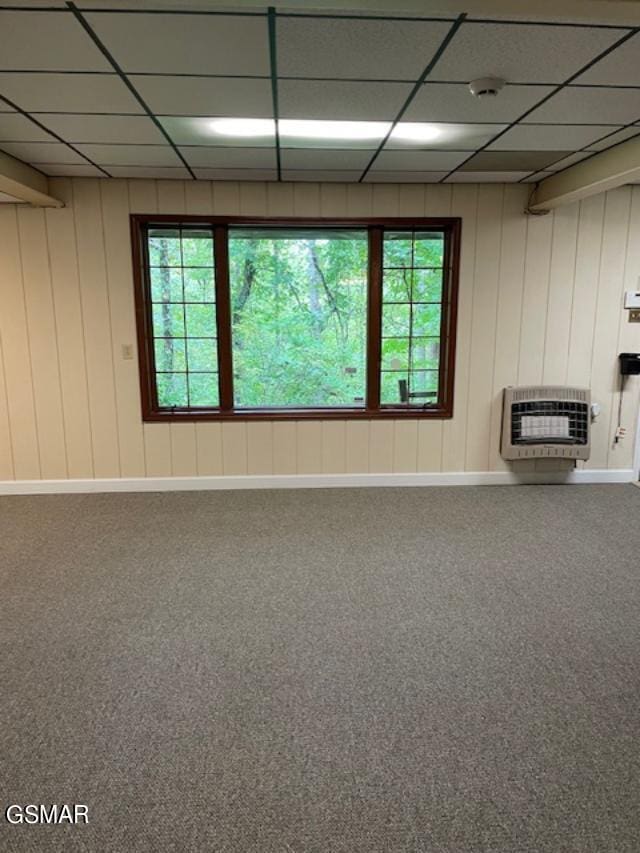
(334, 130)
(415, 131)
(248, 127)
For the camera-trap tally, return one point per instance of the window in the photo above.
(243, 319)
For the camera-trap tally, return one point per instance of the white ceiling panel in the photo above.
(486, 177)
(329, 99)
(614, 138)
(326, 176)
(187, 44)
(131, 155)
(230, 158)
(539, 176)
(404, 177)
(538, 137)
(213, 96)
(236, 174)
(577, 104)
(69, 93)
(418, 161)
(319, 160)
(71, 171)
(459, 137)
(47, 41)
(42, 152)
(567, 161)
(17, 128)
(619, 68)
(196, 130)
(356, 49)
(103, 129)
(527, 53)
(148, 172)
(454, 102)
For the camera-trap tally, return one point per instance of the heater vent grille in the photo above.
(546, 422)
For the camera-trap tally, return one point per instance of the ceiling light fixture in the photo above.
(243, 126)
(347, 130)
(416, 131)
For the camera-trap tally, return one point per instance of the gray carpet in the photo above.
(340, 671)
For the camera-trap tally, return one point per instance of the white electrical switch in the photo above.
(632, 299)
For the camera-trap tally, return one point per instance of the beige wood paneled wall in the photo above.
(540, 301)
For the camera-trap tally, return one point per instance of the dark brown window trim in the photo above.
(151, 412)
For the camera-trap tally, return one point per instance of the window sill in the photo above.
(387, 413)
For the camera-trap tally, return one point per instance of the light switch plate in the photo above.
(632, 299)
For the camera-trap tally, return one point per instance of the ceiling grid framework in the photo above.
(135, 92)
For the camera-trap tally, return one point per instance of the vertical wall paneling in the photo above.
(604, 369)
(41, 326)
(483, 327)
(96, 314)
(15, 348)
(540, 301)
(509, 310)
(115, 216)
(63, 259)
(465, 205)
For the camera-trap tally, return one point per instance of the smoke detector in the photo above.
(486, 87)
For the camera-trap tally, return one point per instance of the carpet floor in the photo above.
(324, 671)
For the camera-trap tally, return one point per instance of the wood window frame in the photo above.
(151, 412)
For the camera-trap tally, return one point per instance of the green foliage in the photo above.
(299, 316)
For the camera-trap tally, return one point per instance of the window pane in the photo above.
(299, 316)
(166, 284)
(203, 389)
(170, 354)
(203, 355)
(184, 316)
(412, 293)
(201, 321)
(172, 389)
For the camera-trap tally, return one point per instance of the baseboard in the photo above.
(313, 481)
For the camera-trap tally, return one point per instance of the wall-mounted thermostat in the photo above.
(632, 299)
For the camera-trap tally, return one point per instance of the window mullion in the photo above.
(223, 317)
(374, 318)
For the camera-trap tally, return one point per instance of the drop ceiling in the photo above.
(130, 92)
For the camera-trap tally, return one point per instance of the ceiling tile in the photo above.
(71, 171)
(329, 99)
(578, 104)
(614, 138)
(556, 165)
(454, 102)
(69, 93)
(404, 177)
(188, 44)
(103, 129)
(511, 161)
(459, 137)
(196, 130)
(148, 172)
(539, 137)
(47, 41)
(526, 53)
(418, 161)
(326, 176)
(356, 49)
(236, 174)
(318, 159)
(539, 176)
(230, 158)
(42, 152)
(486, 177)
(230, 97)
(619, 68)
(17, 128)
(131, 155)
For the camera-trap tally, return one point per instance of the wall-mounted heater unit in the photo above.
(541, 421)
